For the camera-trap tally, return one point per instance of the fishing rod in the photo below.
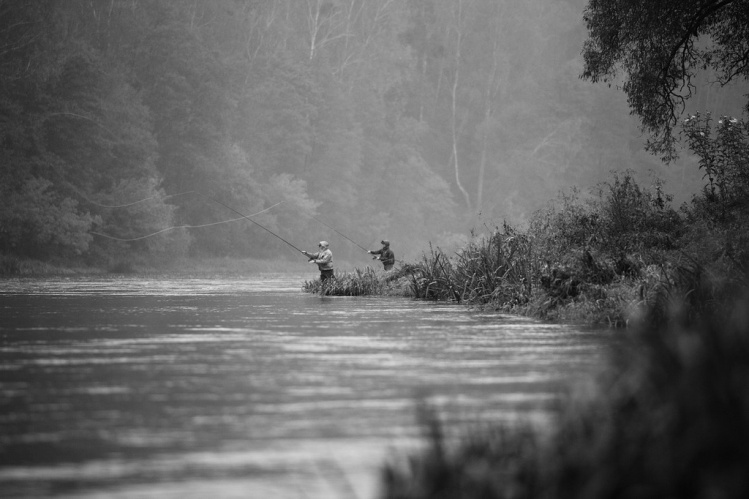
(251, 220)
(334, 230)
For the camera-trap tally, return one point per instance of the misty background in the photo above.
(417, 121)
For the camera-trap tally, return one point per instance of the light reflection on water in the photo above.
(249, 387)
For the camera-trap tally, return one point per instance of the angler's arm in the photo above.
(312, 256)
(324, 257)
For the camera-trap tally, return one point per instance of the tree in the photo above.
(661, 47)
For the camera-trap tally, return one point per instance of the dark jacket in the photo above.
(387, 257)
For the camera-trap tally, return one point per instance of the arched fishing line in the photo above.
(138, 202)
(334, 230)
(251, 220)
(181, 226)
(80, 194)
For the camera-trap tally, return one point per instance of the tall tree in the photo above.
(661, 47)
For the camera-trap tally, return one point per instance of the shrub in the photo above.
(723, 152)
(490, 270)
(38, 222)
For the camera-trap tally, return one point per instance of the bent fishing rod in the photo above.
(334, 230)
(251, 220)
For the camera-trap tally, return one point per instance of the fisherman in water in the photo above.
(386, 255)
(323, 259)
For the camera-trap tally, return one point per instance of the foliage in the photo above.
(669, 418)
(225, 99)
(493, 270)
(357, 283)
(122, 228)
(633, 219)
(623, 219)
(592, 253)
(36, 221)
(724, 159)
(661, 47)
(594, 259)
(370, 115)
(717, 217)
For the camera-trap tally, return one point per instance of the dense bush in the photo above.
(37, 222)
(493, 269)
(717, 217)
(622, 222)
(586, 259)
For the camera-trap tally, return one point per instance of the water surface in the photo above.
(228, 387)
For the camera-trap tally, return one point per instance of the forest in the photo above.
(413, 120)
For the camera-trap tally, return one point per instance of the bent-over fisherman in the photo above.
(323, 259)
(386, 255)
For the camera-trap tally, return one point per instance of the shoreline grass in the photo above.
(360, 282)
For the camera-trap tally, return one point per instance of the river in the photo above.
(248, 387)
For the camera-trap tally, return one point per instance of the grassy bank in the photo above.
(362, 282)
(670, 415)
(603, 258)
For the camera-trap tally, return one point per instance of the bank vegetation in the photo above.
(669, 416)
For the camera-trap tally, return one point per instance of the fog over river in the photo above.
(228, 387)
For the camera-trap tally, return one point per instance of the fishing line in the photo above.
(83, 196)
(334, 230)
(137, 202)
(196, 226)
(180, 226)
(251, 220)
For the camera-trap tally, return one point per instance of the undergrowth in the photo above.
(360, 282)
(596, 260)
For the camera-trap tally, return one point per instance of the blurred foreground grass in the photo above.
(668, 419)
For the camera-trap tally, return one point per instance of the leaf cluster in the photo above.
(658, 49)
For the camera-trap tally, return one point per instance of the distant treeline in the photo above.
(399, 119)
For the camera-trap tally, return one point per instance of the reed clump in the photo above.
(596, 259)
(493, 270)
(668, 418)
(360, 282)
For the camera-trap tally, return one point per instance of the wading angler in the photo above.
(323, 259)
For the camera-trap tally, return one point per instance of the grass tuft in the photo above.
(359, 283)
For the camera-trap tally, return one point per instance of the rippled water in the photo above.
(226, 388)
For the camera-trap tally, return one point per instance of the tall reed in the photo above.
(494, 269)
(357, 283)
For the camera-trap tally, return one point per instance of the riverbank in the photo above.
(669, 416)
(606, 259)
